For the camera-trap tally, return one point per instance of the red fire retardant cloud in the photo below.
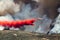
(17, 23)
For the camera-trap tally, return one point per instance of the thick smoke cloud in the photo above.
(41, 26)
(9, 8)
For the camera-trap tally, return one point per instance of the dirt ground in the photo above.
(21, 35)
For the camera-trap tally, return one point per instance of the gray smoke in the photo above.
(26, 13)
(40, 26)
